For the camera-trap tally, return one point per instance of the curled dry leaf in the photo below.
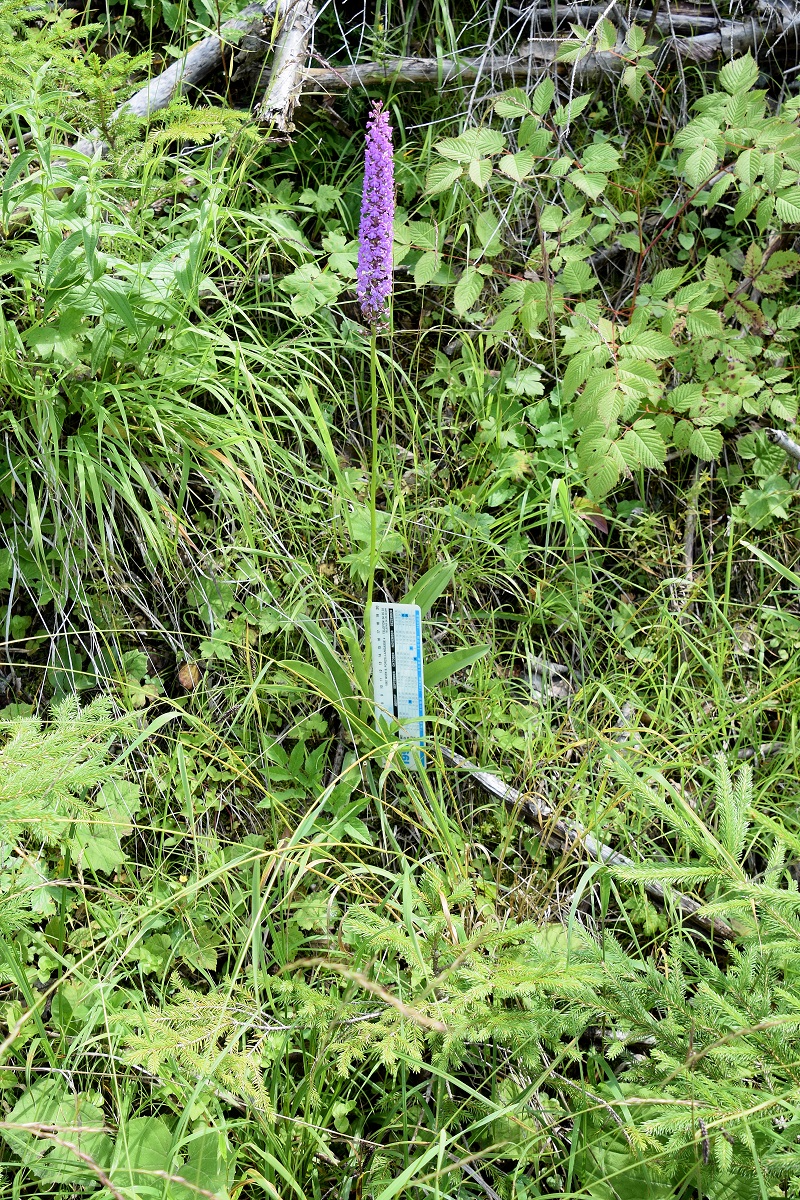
(188, 675)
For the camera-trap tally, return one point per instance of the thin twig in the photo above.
(572, 834)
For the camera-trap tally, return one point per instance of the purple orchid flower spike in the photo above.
(374, 274)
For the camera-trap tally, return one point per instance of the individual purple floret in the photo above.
(374, 275)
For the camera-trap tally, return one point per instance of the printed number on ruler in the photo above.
(396, 636)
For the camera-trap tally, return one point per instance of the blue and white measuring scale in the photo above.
(397, 678)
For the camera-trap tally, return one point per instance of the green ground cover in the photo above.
(245, 952)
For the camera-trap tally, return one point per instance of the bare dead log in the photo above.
(200, 62)
(573, 835)
(731, 38)
(288, 65)
(674, 21)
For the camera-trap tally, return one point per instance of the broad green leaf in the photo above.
(592, 185)
(440, 177)
(448, 664)
(636, 38)
(699, 164)
(739, 75)
(570, 112)
(601, 474)
(51, 1104)
(704, 322)
(787, 204)
(577, 277)
(784, 407)
(543, 96)
(480, 171)
(475, 143)
(706, 443)
(467, 291)
(206, 1168)
(427, 266)
(423, 236)
(647, 344)
(664, 282)
(143, 1145)
(487, 233)
(747, 201)
(513, 103)
(517, 166)
(606, 36)
(748, 165)
(764, 212)
(600, 157)
(645, 445)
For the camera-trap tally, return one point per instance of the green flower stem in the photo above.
(373, 489)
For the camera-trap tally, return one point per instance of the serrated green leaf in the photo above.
(764, 213)
(740, 75)
(577, 277)
(699, 164)
(591, 185)
(487, 233)
(440, 177)
(475, 143)
(543, 96)
(706, 443)
(600, 157)
(570, 112)
(704, 322)
(427, 266)
(664, 282)
(789, 318)
(748, 165)
(423, 235)
(606, 36)
(646, 344)
(747, 201)
(645, 446)
(480, 171)
(513, 103)
(517, 166)
(636, 38)
(467, 291)
(784, 407)
(787, 204)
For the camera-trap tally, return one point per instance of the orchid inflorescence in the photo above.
(374, 274)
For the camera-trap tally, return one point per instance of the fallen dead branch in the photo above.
(730, 39)
(787, 445)
(572, 835)
(673, 21)
(200, 62)
(289, 60)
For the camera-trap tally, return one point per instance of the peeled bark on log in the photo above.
(189, 71)
(288, 67)
(730, 39)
